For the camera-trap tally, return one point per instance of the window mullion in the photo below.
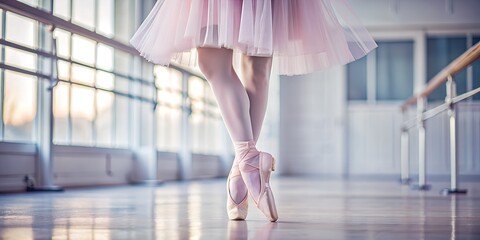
(95, 93)
(41, 44)
(95, 16)
(71, 11)
(70, 123)
(469, 68)
(371, 77)
(2, 77)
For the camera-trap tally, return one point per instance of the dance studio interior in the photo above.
(98, 143)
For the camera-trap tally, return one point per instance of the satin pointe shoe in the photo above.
(236, 211)
(252, 164)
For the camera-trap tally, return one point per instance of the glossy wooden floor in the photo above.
(308, 209)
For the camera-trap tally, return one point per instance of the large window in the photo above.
(384, 75)
(105, 96)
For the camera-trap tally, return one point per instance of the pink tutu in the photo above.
(302, 35)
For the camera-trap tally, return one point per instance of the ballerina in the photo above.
(298, 36)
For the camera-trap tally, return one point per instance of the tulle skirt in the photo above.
(302, 35)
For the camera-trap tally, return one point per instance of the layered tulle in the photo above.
(302, 35)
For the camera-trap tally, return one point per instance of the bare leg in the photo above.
(256, 74)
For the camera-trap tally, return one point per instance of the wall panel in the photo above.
(17, 160)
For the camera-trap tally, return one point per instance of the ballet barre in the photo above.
(422, 114)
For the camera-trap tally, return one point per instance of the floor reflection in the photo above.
(16, 214)
(79, 218)
(453, 216)
(196, 210)
(194, 207)
(166, 204)
(17, 233)
(238, 230)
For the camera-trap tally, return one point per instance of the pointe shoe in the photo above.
(266, 201)
(236, 211)
(265, 165)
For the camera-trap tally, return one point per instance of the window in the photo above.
(169, 113)
(63, 42)
(87, 111)
(1, 34)
(83, 50)
(19, 97)
(205, 120)
(384, 75)
(19, 106)
(33, 3)
(440, 52)
(61, 8)
(122, 122)
(83, 114)
(394, 66)
(22, 31)
(105, 21)
(104, 102)
(61, 113)
(357, 79)
(96, 15)
(475, 81)
(215, 129)
(83, 13)
(196, 93)
(146, 81)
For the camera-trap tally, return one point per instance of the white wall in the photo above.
(312, 119)
(373, 139)
(16, 162)
(83, 166)
(90, 166)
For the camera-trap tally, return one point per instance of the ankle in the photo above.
(244, 150)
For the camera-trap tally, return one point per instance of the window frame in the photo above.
(419, 65)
